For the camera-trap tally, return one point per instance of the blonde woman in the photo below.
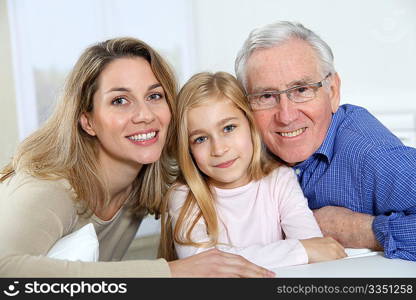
(100, 159)
(229, 195)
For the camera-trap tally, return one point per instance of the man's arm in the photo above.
(388, 178)
(351, 229)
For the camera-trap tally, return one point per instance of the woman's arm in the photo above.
(34, 214)
(216, 263)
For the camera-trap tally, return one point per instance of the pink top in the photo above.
(262, 221)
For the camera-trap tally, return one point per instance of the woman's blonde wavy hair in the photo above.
(200, 89)
(62, 149)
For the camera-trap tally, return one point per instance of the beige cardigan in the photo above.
(35, 213)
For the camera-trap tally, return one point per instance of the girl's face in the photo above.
(131, 115)
(220, 142)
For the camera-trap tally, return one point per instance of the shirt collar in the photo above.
(327, 147)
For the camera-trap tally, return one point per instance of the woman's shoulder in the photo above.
(30, 191)
(25, 181)
(29, 201)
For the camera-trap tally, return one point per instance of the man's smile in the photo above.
(292, 133)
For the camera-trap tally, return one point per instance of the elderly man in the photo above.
(359, 178)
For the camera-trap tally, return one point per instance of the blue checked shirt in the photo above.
(362, 166)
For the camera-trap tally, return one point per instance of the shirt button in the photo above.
(297, 171)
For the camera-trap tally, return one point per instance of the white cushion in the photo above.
(79, 245)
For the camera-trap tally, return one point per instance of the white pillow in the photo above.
(359, 252)
(79, 245)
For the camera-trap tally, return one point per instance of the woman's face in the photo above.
(131, 115)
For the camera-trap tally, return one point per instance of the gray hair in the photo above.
(275, 34)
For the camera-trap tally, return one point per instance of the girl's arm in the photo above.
(277, 254)
(298, 221)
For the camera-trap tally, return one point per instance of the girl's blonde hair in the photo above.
(62, 149)
(202, 88)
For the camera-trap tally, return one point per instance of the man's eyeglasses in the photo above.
(297, 94)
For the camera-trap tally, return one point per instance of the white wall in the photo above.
(374, 41)
(8, 117)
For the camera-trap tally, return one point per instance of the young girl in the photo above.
(229, 195)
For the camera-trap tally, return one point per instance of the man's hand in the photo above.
(351, 229)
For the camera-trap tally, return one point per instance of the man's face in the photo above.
(292, 131)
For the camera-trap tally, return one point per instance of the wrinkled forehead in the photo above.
(281, 65)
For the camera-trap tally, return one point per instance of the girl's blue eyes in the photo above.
(226, 129)
(229, 128)
(200, 139)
